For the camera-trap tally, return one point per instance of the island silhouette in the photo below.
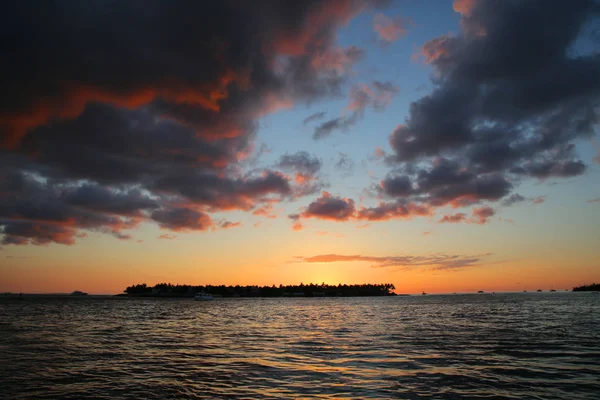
(594, 287)
(301, 290)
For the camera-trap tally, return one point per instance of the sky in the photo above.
(447, 146)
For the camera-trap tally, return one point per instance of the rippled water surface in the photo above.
(521, 346)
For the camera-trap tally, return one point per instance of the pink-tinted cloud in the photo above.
(378, 95)
(427, 233)
(229, 224)
(166, 236)
(332, 234)
(464, 7)
(435, 50)
(538, 200)
(337, 59)
(265, 211)
(389, 29)
(434, 261)
(26, 232)
(297, 226)
(483, 214)
(453, 219)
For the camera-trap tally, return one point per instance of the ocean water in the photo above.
(502, 346)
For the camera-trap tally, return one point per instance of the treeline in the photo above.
(302, 290)
(594, 287)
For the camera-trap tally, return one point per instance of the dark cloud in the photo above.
(446, 182)
(328, 207)
(333, 208)
(393, 210)
(144, 111)
(501, 110)
(38, 211)
(435, 261)
(513, 199)
(314, 117)
(336, 124)
(182, 219)
(301, 161)
(103, 199)
(397, 186)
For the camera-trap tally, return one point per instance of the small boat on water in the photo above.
(480, 292)
(78, 293)
(423, 294)
(202, 296)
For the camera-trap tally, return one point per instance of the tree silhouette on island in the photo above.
(301, 290)
(594, 287)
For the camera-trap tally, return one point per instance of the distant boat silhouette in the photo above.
(480, 291)
(552, 288)
(202, 296)
(78, 293)
(423, 294)
(539, 290)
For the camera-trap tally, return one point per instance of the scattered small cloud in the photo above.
(427, 233)
(314, 117)
(389, 29)
(513, 199)
(297, 226)
(538, 200)
(481, 215)
(453, 219)
(378, 96)
(229, 224)
(332, 234)
(164, 236)
(345, 165)
(596, 200)
(336, 124)
(265, 211)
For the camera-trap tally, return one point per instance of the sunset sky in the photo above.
(440, 146)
